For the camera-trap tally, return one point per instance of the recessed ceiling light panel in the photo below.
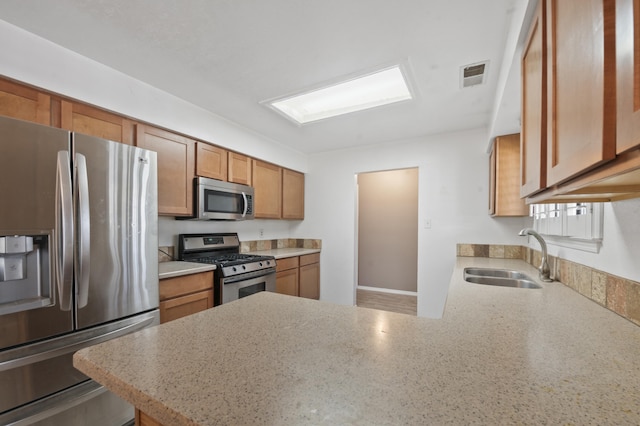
(369, 91)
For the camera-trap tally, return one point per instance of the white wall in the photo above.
(169, 228)
(36, 61)
(453, 193)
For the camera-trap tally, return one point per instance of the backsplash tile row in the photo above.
(168, 253)
(257, 245)
(620, 295)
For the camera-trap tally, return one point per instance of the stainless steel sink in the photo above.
(499, 277)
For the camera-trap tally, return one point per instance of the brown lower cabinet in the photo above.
(185, 295)
(143, 419)
(299, 276)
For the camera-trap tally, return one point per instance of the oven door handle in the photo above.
(246, 204)
(249, 275)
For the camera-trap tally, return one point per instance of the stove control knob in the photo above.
(260, 263)
(234, 269)
(244, 267)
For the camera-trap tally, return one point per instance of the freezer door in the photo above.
(30, 306)
(32, 375)
(116, 230)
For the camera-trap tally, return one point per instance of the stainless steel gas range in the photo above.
(237, 274)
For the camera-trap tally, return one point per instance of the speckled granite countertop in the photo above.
(498, 356)
(179, 268)
(286, 252)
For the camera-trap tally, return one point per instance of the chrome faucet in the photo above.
(544, 265)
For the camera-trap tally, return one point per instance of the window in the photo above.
(574, 225)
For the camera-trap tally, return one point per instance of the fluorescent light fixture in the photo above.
(372, 90)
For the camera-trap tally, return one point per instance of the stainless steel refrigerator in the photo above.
(78, 265)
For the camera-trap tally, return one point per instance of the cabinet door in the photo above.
(211, 161)
(287, 282)
(581, 86)
(492, 181)
(176, 165)
(533, 140)
(310, 281)
(96, 122)
(628, 74)
(267, 184)
(182, 306)
(506, 187)
(292, 194)
(24, 103)
(239, 168)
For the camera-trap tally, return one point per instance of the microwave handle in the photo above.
(246, 204)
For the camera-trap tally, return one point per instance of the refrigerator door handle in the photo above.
(47, 350)
(64, 231)
(83, 221)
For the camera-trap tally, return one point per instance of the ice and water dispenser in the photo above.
(25, 278)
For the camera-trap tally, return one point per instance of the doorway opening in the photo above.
(387, 238)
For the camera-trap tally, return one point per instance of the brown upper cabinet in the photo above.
(581, 86)
(24, 103)
(267, 184)
(628, 74)
(211, 161)
(292, 194)
(279, 191)
(592, 105)
(93, 121)
(533, 141)
(239, 168)
(504, 188)
(218, 163)
(176, 158)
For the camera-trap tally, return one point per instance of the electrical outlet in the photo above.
(427, 223)
(261, 232)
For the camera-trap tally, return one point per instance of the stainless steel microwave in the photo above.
(218, 200)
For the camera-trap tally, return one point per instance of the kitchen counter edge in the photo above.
(282, 253)
(179, 268)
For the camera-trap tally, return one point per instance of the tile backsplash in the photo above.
(620, 295)
(248, 246)
(168, 253)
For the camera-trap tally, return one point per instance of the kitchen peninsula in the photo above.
(498, 356)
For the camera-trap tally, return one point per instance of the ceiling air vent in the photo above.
(473, 74)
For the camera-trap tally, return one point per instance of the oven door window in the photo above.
(251, 289)
(222, 202)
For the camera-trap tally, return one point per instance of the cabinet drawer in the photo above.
(308, 259)
(286, 263)
(185, 305)
(186, 284)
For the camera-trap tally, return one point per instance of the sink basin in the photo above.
(499, 277)
(498, 273)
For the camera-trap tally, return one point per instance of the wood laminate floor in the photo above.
(387, 301)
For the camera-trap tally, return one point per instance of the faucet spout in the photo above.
(545, 272)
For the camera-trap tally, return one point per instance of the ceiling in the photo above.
(229, 55)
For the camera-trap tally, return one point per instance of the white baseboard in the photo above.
(388, 290)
